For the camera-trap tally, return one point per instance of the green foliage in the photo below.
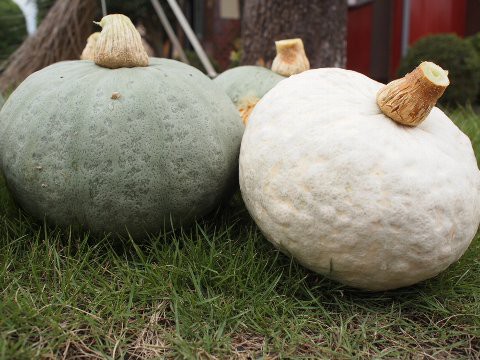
(453, 54)
(43, 7)
(13, 28)
(237, 53)
(474, 40)
(469, 122)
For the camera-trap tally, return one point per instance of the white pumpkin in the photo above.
(351, 194)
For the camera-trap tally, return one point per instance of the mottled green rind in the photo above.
(245, 82)
(2, 101)
(167, 148)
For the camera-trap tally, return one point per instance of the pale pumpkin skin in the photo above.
(130, 148)
(351, 194)
(247, 83)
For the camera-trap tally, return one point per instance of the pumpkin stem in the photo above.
(89, 52)
(291, 58)
(119, 44)
(410, 99)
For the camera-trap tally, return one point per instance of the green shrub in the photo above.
(474, 40)
(453, 54)
(43, 8)
(12, 28)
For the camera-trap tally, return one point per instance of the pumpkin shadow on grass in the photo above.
(231, 205)
(424, 301)
(307, 286)
(122, 242)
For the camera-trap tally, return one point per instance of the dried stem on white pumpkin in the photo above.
(291, 58)
(410, 99)
(119, 44)
(88, 52)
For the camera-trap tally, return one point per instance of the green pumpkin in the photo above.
(115, 149)
(246, 85)
(247, 82)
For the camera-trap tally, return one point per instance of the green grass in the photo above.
(216, 290)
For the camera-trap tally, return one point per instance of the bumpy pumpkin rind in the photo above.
(128, 148)
(351, 194)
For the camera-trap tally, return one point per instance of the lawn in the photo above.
(216, 290)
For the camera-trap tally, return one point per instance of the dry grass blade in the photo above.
(152, 340)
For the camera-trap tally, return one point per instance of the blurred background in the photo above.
(382, 39)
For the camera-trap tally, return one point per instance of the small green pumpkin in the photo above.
(246, 85)
(114, 149)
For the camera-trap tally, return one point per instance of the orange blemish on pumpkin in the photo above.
(246, 107)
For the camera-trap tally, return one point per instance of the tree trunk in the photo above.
(321, 24)
(61, 36)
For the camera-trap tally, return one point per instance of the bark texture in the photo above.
(61, 36)
(321, 24)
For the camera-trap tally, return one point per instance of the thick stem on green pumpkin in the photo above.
(119, 44)
(291, 58)
(410, 99)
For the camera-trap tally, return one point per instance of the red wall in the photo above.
(426, 17)
(359, 38)
(439, 16)
(396, 44)
(220, 34)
